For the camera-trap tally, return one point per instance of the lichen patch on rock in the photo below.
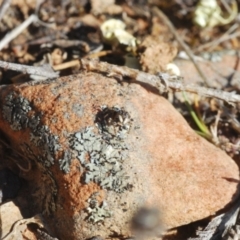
(16, 112)
(102, 154)
(97, 212)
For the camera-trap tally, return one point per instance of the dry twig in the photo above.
(220, 226)
(161, 82)
(44, 71)
(16, 31)
(161, 15)
(3, 8)
(228, 35)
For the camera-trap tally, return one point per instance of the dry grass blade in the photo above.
(161, 15)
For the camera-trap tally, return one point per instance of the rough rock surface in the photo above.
(99, 150)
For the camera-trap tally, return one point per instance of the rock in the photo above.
(10, 214)
(100, 150)
(226, 62)
(18, 228)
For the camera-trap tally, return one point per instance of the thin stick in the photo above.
(44, 71)
(161, 82)
(75, 63)
(3, 8)
(161, 15)
(225, 37)
(225, 4)
(66, 65)
(16, 31)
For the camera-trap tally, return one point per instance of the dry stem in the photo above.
(44, 71)
(161, 82)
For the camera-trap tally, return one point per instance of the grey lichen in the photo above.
(34, 121)
(41, 136)
(97, 212)
(65, 161)
(102, 155)
(15, 111)
(20, 114)
(78, 109)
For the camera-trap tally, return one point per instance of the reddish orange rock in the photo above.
(101, 150)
